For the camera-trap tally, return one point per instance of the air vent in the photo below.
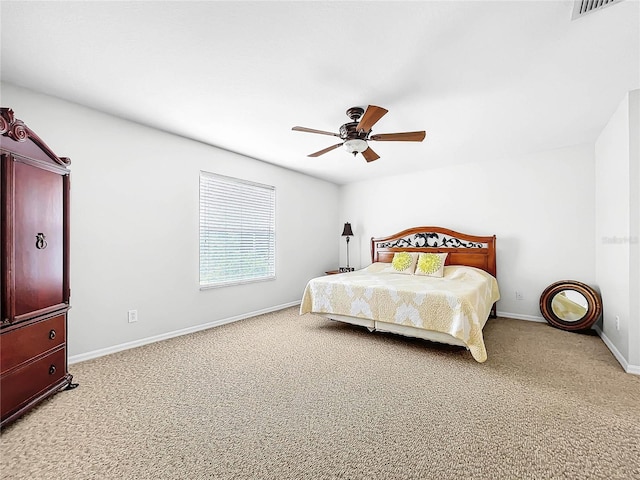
(583, 7)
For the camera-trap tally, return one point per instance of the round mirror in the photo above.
(570, 305)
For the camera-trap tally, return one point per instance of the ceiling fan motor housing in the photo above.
(348, 131)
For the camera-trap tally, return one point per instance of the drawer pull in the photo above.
(52, 369)
(41, 243)
(52, 334)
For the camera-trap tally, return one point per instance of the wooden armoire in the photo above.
(34, 270)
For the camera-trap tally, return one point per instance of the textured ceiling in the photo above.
(486, 80)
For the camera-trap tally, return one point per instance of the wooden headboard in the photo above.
(463, 249)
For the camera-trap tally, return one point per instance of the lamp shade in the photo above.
(347, 232)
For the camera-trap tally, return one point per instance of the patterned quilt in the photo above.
(459, 303)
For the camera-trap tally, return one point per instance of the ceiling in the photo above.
(486, 80)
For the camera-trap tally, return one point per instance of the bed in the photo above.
(449, 306)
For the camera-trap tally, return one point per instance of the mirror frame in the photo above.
(594, 305)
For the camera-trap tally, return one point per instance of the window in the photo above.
(237, 231)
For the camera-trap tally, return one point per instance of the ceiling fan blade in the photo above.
(312, 130)
(399, 137)
(369, 155)
(328, 149)
(370, 117)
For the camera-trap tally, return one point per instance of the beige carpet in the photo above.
(287, 397)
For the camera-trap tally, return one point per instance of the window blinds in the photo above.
(237, 231)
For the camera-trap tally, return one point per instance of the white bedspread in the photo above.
(458, 303)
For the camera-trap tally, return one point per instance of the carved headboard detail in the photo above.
(463, 249)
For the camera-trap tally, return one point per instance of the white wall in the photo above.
(134, 225)
(540, 207)
(634, 229)
(612, 225)
(617, 153)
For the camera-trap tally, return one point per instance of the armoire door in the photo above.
(38, 229)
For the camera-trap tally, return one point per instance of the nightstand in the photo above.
(332, 272)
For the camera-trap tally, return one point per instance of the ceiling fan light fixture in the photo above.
(355, 145)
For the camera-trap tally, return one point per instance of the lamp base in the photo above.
(346, 269)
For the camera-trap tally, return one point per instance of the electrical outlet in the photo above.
(617, 322)
(519, 295)
(132, 315)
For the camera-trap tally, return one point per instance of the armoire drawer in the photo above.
(24, 343)
(24, 384)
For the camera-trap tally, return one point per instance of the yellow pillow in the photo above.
(403, 262)
(431, 264)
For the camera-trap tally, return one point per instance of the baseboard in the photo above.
(519, 316)
(633, 369)
(176, 333)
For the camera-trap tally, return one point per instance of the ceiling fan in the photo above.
(356, 133)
